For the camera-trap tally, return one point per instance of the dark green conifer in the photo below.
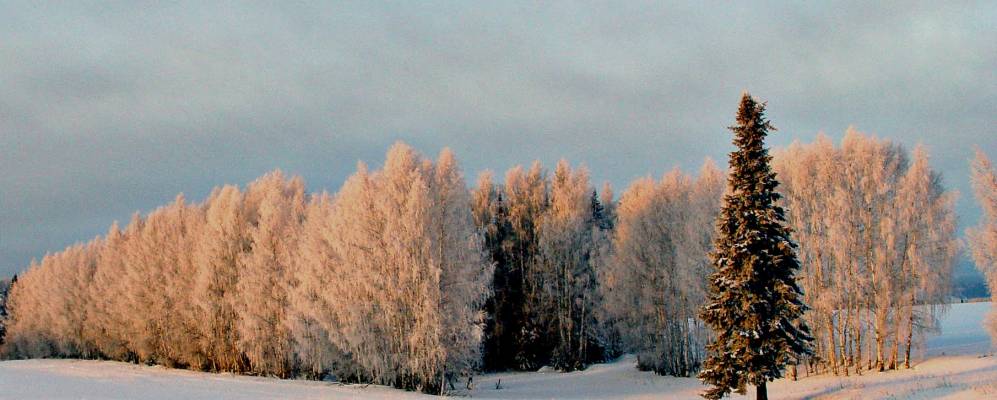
(755, 306)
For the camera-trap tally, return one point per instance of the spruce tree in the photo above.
(5, 287)
(754, 306)
(504, 308)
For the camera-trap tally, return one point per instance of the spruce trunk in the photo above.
(761, 392)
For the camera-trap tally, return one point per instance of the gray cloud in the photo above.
(106, 109)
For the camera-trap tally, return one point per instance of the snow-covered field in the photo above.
(960, 365)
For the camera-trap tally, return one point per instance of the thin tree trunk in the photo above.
(910, 313)
(858, 345)
(910, 331)
(895, 358)
(850, 339)
(831, 349)
(818, 351)
(443, 377)
(872, 349)
(841, 344)
(582, 340)
(880, 342)
(762, 392)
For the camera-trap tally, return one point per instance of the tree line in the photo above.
(408, 277)
(383, 282)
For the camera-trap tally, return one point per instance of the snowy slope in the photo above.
(965, 371)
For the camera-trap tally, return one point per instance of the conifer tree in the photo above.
(504, 306)
(5, 286)
(754, 305)
(4, 290)
(608, 206)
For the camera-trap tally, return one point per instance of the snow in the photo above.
(87, 379)
(963, 332)
(960, 365)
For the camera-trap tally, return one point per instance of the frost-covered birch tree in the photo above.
(218, 253)
(264, 273)
(983, 238)
(465, 267)
(310, 318)
(565, 270)
(407, 226)
(654, 282)
(44, 305)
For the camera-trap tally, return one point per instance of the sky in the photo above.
(109, 108)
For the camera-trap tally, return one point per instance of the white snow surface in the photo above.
(959, 365)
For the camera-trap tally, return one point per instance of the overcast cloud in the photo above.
(110, 108)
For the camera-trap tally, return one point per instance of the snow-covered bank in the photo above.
(965, 371)
(87, 379)
(949, 377)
